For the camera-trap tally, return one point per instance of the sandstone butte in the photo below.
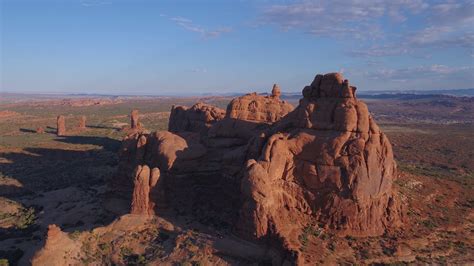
(269, 170)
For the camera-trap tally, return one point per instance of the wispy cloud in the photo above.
(93, 3)
(189, 25)
(444, 24)
(339, 18)
(199, 70)
(419, 72)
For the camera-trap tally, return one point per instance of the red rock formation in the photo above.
(82, 122)
(134, 119)
(143, 202)
(276, 92)
(61, 126)
(253, 107)
(200, 117)
(326, 162)
(40, 130)
(58, 243)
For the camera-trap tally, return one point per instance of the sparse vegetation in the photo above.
(430, 224)
(75, 235)
(432, 159)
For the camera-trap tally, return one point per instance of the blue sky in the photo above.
(191, 47)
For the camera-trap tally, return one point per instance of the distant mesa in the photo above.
(8, 114)
(266, 169)
(84, 102)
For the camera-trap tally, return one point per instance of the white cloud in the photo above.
(381, 51)
(199, 70)
(188, 25)
(340, 18)
(93, 3)
(443, 24)
(452, 12)
(419, 72)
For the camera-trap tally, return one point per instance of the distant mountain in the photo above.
(451, 92)
(379, 94)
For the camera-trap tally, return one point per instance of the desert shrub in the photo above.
(429, 224)
(74, 235)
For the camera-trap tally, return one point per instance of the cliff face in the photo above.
(269, 171)
(327, 162)
(196, 166)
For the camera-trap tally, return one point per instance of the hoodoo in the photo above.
(82, 122)
(61, 125)
(134, 119)
(267, 169)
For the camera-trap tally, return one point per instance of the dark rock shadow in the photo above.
(57, 183)
(103, 127)
(108, 144)
(26, 130)
(49, 130)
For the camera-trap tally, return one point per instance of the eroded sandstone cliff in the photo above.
(269, 171)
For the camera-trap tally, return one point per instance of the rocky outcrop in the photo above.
(61, 125)
(144, 182)
(82, 122)
(258, 108)
(40, 130)
(326, 161)
(134, 119)
(59, 249)
(276, 92)
(198, 118)
(270, 171)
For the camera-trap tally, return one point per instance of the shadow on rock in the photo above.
(63, 187)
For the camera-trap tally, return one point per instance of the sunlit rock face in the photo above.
(268, 170)
(327, 161)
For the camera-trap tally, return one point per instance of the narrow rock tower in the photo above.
(276, 92)
(82, 122)
(61, 126)
(134, 119)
